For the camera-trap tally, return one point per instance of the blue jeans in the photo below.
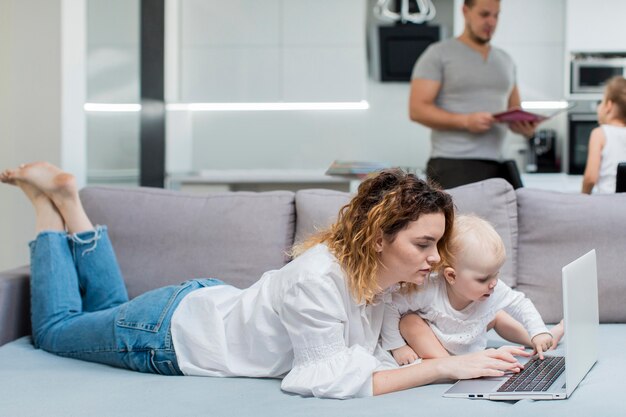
(80, 307)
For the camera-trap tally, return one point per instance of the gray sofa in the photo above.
(164, 237)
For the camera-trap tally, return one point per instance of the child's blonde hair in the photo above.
(474, 236)
(616, 92)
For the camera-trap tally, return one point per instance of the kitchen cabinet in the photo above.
(532, 32)
(272, 50)
(595, 26)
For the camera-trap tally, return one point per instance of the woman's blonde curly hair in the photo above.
(387, 202)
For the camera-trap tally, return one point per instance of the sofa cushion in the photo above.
(316, 210)
(35, 383)
(556, 228)
(493, 200)
(163, 237)
(14, 302)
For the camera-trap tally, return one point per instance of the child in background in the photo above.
(607, 143)
(462, 302)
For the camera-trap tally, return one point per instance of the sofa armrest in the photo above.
(14, 304)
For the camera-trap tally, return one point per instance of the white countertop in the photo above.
(253, 176)
(553, 182)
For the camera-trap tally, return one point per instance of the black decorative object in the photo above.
(401, 45)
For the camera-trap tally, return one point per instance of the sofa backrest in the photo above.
(165, 237)
(494, 200)
(556, 228)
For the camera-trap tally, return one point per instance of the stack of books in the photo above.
(355, 169)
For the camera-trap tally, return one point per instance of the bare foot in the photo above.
(46, 214)
(6, 176)
(59, 187)
(33, 193)
(9, 176)
(45, 177)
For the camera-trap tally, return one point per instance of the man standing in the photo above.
(457, 85)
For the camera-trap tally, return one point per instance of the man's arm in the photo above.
(515, 102)
(422, 109)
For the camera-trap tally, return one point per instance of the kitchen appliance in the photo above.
(542, 152)
(581, 121)
(590, 71)
(402, 43)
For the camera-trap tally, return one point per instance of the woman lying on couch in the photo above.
(315, 322)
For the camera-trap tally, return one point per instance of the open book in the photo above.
(354, 169)
(519, 115)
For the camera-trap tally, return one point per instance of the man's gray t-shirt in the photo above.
(469, 83)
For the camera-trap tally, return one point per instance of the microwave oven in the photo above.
(590, 73)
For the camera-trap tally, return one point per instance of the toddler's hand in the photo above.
(557, 334)
(542, 342)
(404, 355)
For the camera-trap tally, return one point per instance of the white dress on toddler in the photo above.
(461, 331)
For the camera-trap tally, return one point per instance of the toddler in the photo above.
(462, 301)
(607, 143)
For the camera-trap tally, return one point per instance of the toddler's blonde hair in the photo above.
(473, 236)
(616, 92)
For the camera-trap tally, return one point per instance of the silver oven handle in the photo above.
(586, 117)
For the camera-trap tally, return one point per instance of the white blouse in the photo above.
(461, 331)
(299, 323)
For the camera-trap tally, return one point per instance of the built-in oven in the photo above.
(589, 72)
(580, 127)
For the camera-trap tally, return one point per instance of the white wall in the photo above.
(245, 53)
(291, 51)
(32, 123)
(112, 77)
(536, 42)
(533, 33)
(596, 26)
(313, 139)
(382, 133)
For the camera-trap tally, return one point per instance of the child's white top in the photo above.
(299, 323)
(613, 152)
(462, 331)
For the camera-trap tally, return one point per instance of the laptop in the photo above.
(556, 377)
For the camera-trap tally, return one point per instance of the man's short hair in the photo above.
(469, 3)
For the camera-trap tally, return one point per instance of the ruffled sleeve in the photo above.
(390, 335)
(522, 309)
(314, 313)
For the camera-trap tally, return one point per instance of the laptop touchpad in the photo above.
(482, 385)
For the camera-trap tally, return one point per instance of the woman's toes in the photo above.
(8, 177)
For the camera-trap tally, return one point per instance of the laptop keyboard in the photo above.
(537, 375)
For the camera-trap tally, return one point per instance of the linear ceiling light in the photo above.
(280, 106)
(110, 107)
(358, 105)
(545, 105)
